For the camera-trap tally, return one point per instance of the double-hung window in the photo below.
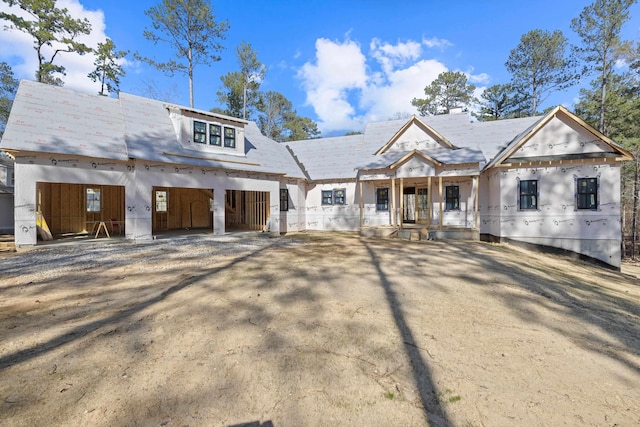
(587, 193)
(382, 199)
(93, 200)
(215, 135)
(528, 191)
(452, 197)
(327, 197)
(230, 137)
(161, 201)
(199, 132)
(284, 200)
(337, 196)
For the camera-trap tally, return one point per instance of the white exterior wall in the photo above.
(294, 219)
(414, 138)
(557, 222)
(333, 217)
(465, 217)
(372, 216)
(138, 182)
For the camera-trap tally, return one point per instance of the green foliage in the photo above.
(252, 72)
(280, 122)
(49, 25)
(8, 88)
(240, 90)
(241, 97)
(274, 109)
(622, 98)
(298, 127)
(230, 94)
(598, 27)
(449, 90)
(539, 65)
(499, 102)
(108, 71)
(190, 29)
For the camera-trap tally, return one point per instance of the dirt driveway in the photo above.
(314, 329)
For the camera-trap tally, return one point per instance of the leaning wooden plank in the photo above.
(42, 227)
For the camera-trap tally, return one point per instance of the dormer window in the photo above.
(215, 135)
(199, 132)
(230, 137)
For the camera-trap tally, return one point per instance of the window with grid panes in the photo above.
(215, 135)
(199, 132)
(587, 193)
(452, 197)
(382, 199)
(339, 196)
(93, 200)
(229, 137)
(528, 191)
(284, 200)
(327, 197)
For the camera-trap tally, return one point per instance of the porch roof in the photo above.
(341, 157)
(439, 156)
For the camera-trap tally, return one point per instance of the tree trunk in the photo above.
(190, 78)
(634, 215)
(603, 94)
(103, 77)
(244, 102)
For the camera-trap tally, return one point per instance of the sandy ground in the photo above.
(315, 329)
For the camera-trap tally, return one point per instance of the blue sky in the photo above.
(341, 63)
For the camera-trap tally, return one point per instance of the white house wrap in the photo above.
(149, 167)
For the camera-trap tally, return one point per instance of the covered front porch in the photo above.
(439, 207)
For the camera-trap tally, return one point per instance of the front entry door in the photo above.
(422, 205)
(409, 205)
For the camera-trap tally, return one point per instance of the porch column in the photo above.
(361, 207)
(401, 216)
(429, 204)
(393, 200)
(475, 209)
(440, 193)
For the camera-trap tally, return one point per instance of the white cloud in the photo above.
(482, 78)
(339, 69)
(435, 42)
(382, 101)
(17, 48)
(390, 56)
(346, 92)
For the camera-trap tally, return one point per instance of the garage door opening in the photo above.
(246, 210)
(176, 208)
(67, 210)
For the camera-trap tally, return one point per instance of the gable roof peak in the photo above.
(414, 120)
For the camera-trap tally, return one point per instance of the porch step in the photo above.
(413, 234)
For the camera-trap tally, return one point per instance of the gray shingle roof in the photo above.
(52, 119)
(330, 158)
(341, 157)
